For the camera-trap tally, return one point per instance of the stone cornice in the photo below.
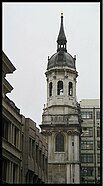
(55, 69)
(10, 111)
(65, 162)
(64, 105)
(7, 88)
(11, 148)
(8, 67)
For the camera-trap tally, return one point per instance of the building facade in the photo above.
(34, 154)
(24, 151)
(11, 130)
(90, 141)
(60, 118)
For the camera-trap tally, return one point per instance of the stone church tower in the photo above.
(60, 118)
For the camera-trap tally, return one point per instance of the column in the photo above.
(54, 90)
(50, 148)
(68, 173)
(65, 93)
(74, 89)
(70, 149)
(11, 133)
(77, 173)
(47, 90)
(71, 173)
(7, 172)
(65, 87)
(13, 128)
(76, 148)
(11, 172)
(19, 144)
(17, 173)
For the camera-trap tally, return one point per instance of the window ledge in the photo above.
(59, 152)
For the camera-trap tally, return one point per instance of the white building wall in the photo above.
(65, 98)
(77, 174)
(76, 147)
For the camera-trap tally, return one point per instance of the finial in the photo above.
(61, 13)
(75, 57)
(61, 40)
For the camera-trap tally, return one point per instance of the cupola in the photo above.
(61, 57)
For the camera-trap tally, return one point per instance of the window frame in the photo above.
(98, 145)
(70, 89)
(98, 131)
(97, 114)
(5, 128)
(98, 158)
(58, 148)
(87, 115)
(84, 145)
(60, 90)
(87, 158)
(87, 171)
(89, 131)
(50, 89)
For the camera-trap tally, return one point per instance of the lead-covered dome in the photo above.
(60, 59)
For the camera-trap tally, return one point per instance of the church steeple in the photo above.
(61, 40)
(60, 119)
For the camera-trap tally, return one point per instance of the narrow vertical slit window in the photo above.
(30, 147)
(60, 88)
(50, 89)
(37, 154)
(4, 170)
(70, 89)
(5, 128)
(33, 148)
(14, 173)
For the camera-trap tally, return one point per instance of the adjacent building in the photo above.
(11, 130)
(60, 119)
(34, 154)
(24, 150)
(90, 141)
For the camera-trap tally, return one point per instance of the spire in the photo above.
(61, 40)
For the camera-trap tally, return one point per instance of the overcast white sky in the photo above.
(30, 32)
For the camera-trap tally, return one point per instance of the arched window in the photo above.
(50, 89)
(60, 88)
(59, 143)
(70, 89)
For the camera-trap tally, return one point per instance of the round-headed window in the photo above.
(59, 142)
(60, 88)
(50, 89)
